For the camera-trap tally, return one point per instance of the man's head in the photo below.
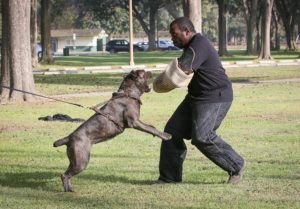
(182, 30)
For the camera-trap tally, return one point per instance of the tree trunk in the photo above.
(45, 32)
(222, 23)
(257, 43)
(288, 11)
(275, 31)
(250, 16)
(152, 29)
(298, 31)
(192, 10)
(33, 32)
(16, 68)
(265, 52)
(286, 17)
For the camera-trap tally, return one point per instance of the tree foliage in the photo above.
(144, 11)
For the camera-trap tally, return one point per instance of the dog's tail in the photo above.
(61, 142)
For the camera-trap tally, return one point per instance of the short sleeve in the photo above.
(199, 46)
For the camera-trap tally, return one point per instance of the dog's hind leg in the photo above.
(79, 159)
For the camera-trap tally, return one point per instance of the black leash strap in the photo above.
(94, 108)
(39, 95)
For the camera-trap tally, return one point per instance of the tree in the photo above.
(249, 10)
(33, 32)
(222, 23)
(67, 14)
(275, 45)
(174, 8)
(151, 8)
(65, 20)
(265, 52)
(16, 68)
(288, 12)
(209, 20)
(192, 10)
(145, 11)
(45, 32)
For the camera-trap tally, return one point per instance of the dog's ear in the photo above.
(132, 75)
(127, 75)
(140, 73)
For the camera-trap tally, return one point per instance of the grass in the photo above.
(151, 58)
(263, 125)
(107, 82)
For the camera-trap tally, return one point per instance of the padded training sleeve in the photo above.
(185, 62)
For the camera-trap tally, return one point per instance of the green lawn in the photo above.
(151, 58)
(263, 126)
(108, 82)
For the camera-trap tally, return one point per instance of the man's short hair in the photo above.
(184, 23)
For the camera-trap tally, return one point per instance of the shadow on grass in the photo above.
(126, 180)
(250, 80)
(39, 180)
(102, 79)
(31, 180)
(116, 59)
(113, 79)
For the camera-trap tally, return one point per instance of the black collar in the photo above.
(116, 95)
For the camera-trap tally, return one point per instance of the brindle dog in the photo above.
(120, 112)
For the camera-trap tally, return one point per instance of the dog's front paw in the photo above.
(166, 136)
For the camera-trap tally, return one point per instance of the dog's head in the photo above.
(136, 79)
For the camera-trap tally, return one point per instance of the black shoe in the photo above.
(234, 179)
(159, 181)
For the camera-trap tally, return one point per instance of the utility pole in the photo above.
(131, 61)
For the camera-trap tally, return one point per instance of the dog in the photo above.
(120, 112)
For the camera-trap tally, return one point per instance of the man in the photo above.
(202, 110)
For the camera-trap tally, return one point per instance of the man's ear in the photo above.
(187, 32)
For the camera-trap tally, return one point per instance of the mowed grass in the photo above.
(152, 58)
(263, 125)
(107, 82)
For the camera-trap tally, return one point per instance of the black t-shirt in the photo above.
(209, 83)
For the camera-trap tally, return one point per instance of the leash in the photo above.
(59, 100)
(94, 108)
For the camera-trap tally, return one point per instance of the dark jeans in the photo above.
(199, 122)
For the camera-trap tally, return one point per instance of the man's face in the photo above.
(179, 37)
